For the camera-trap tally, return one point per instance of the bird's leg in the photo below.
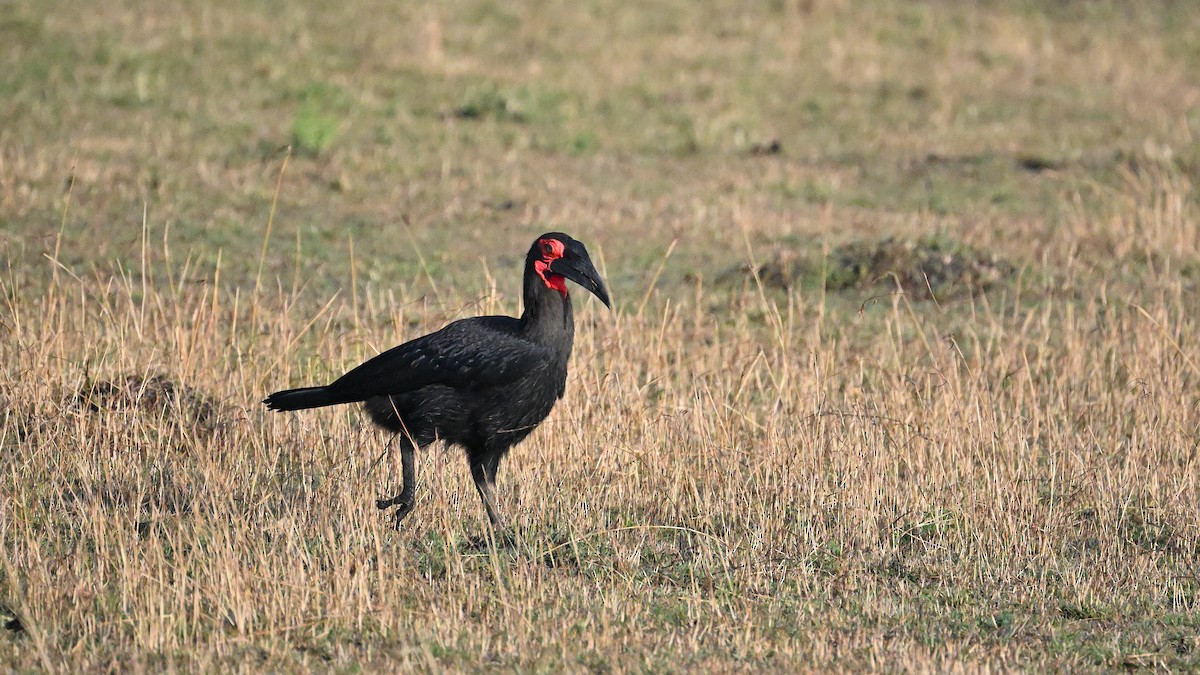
(490, 467)
(406, 499)
(481, 472)
(489, 473)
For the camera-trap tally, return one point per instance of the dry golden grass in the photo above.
(711, 493)
(741, 476)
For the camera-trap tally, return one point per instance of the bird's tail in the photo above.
(300, 399)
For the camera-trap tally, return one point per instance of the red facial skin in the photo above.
(552, 249)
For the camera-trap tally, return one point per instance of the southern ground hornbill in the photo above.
(481, 383)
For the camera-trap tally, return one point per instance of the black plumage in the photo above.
(482, 383)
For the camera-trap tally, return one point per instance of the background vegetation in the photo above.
(902, 371)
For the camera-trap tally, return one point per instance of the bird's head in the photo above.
(555, 257)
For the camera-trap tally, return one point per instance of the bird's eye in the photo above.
(547, 249)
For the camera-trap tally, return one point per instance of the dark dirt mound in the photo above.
(156, 394)
(932, 267)
(924, 268)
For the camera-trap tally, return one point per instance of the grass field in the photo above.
(901, 373)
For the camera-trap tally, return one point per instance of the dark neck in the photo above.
(548, 317)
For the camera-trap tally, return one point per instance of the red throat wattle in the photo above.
(551, 249)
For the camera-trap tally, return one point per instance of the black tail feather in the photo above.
(300, 399)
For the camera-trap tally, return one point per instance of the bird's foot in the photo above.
(404, 506)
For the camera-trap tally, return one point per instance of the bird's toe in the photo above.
(403, 508)
(389, 502)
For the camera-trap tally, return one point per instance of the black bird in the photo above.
(482, 383)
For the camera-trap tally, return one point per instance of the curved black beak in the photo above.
(580, 270)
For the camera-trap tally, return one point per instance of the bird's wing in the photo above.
(472, 353)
